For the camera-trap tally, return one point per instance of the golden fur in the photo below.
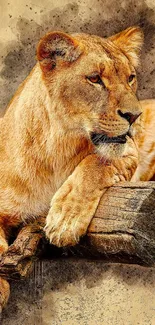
(82, 87)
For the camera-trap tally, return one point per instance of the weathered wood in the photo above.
(122, 230)
(124, 223)
(17, 262)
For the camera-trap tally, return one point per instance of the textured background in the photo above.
(80, 292)
(71, 292)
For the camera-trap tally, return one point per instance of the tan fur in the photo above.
(48, 164)
(144, 135)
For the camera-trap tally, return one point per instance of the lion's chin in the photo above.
(111, 151)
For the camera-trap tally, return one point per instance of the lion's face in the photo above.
(94, 83)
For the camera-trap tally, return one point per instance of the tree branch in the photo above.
(122, 230)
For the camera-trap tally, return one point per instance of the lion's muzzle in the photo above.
(97, 138)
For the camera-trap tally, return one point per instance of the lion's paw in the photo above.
(4, 293)
(69, 217)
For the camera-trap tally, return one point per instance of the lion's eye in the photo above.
(131, 78)
(95, 79)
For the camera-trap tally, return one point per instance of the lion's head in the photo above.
(92, 84)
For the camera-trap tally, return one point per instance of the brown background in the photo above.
(76, 292)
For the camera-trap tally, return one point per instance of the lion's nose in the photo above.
(131, 118)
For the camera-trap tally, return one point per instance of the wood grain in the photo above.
(122, 230)
(124, 223)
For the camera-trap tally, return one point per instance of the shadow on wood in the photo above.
(122, 230)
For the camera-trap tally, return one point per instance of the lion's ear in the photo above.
(57, 48)
(130, 42)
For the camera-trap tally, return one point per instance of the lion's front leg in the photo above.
(75, 203)
(71, 211)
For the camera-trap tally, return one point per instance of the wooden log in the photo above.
(17, 262)
(122, 230)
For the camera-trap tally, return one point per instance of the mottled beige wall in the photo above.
(76, 292)
(80, 292)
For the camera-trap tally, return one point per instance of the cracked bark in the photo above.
(122, 230)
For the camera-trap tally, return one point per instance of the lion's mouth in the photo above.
(98, 138)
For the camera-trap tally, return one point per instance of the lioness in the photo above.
(67, 134)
